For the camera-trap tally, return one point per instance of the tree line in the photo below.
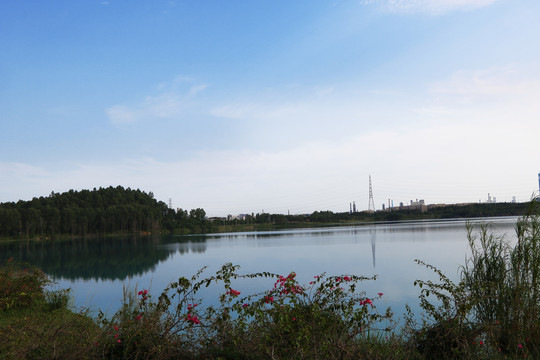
(100, 211)
(116, 210)
(393, 214)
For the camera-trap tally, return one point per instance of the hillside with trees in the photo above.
(112, 210)
(80, 213)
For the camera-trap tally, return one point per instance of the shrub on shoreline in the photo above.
(495, 308)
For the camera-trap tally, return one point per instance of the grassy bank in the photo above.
(493, 312)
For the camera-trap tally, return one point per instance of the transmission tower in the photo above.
(371, 205)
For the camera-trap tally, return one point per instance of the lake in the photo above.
(97, 270)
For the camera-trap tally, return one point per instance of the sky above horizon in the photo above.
(283, 106)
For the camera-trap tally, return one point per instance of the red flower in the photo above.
(366, 301)
(233, 292)
(193, 319)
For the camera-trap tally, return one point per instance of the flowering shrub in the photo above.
(20, 286)
(288, 320)
(293, 320)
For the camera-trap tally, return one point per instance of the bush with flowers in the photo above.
(21, 286)
(322, 319)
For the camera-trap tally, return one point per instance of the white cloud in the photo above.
(432, 7)
(20, 170)
(162, 106)
(470, 85)
(237, 111)
(197, 89)
(19, 179)
(171, 101)
(497, 93)
(119, 114)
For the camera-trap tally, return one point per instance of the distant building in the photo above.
(491, 200)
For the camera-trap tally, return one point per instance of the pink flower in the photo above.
(193, 319)
(366, 301)
(233, 292)
(380, 294)
(119, 340)
(346, 278)
(245, 305)
(139, 317)
(520, 346)
(268, 299)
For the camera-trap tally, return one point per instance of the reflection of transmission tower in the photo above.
(373, 242)
(371, 205)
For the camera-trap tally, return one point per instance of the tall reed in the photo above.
(504, 284)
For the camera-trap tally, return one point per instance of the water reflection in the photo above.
(106, 259)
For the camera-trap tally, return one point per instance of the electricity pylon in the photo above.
(371, 205)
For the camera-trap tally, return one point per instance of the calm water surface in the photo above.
(97, 270)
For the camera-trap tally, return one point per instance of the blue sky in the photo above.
(240, 106)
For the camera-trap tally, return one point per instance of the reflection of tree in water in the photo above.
(186, 244)
(110, 258)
